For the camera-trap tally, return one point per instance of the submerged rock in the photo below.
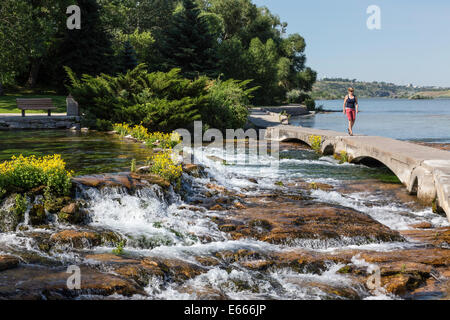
(77, 239)
(84, 239)
(130, 181)
(439, 237)
(30, 282)
(283, 224)
(422, 225)
(8, 262)
(142, 270)
(404, 271)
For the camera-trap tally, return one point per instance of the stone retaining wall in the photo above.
(39, 122)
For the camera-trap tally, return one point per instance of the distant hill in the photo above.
(336, 88)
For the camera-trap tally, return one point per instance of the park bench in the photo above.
(35, 104)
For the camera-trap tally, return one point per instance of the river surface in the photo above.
(84, 153)
(421, 120)
(174, 227)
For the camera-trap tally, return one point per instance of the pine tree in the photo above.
(189, 44)
(88, 50)
(128, 58)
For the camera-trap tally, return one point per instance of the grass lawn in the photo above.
(8, 102)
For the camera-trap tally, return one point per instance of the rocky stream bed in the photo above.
(226, 233)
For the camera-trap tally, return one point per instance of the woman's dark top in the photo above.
(351, 102)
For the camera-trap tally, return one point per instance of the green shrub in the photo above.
(154, 139)
(20, 205)
(293, 96)
(342, 157)
(119, 248)
(315, 142)
(139, 96)
(103, 125)
(25, 173)
(227, 106)
(163, 165)
(122, 129)
(296, 96)
(161, 101)
(164, 115)
(310, 104)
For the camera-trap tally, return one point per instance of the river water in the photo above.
(172, 226)
(421, 120)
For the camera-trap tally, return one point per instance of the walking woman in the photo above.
(351, 109)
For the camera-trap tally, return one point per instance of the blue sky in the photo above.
(413, 45)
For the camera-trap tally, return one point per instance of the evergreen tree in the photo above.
(128, 58)
(88, 50)
(189, 44)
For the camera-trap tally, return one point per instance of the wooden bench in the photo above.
(35, 104)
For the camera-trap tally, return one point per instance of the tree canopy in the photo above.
(226, 39)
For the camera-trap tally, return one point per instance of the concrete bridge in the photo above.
(425, 171)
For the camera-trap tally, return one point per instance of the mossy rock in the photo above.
(437, 209)
(54, 205)
(12, 211)
(152, 179)
(227, 227)
(260, 223)
(194, 170)
(111, 238)
(345, 269)
(37, 215)
(73, 213)
(144, 242)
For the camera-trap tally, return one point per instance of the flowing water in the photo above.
(85, 153)
(169, 224)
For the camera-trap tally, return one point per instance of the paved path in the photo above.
(425, 171)
(263, 119)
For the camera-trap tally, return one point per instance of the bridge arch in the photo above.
(296, 140)
(371, 161)
(327, 149)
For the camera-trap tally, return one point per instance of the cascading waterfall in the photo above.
(170, 224)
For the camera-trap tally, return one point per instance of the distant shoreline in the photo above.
(336, 88)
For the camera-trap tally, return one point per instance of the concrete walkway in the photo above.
(424, 171)
(263, 119)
